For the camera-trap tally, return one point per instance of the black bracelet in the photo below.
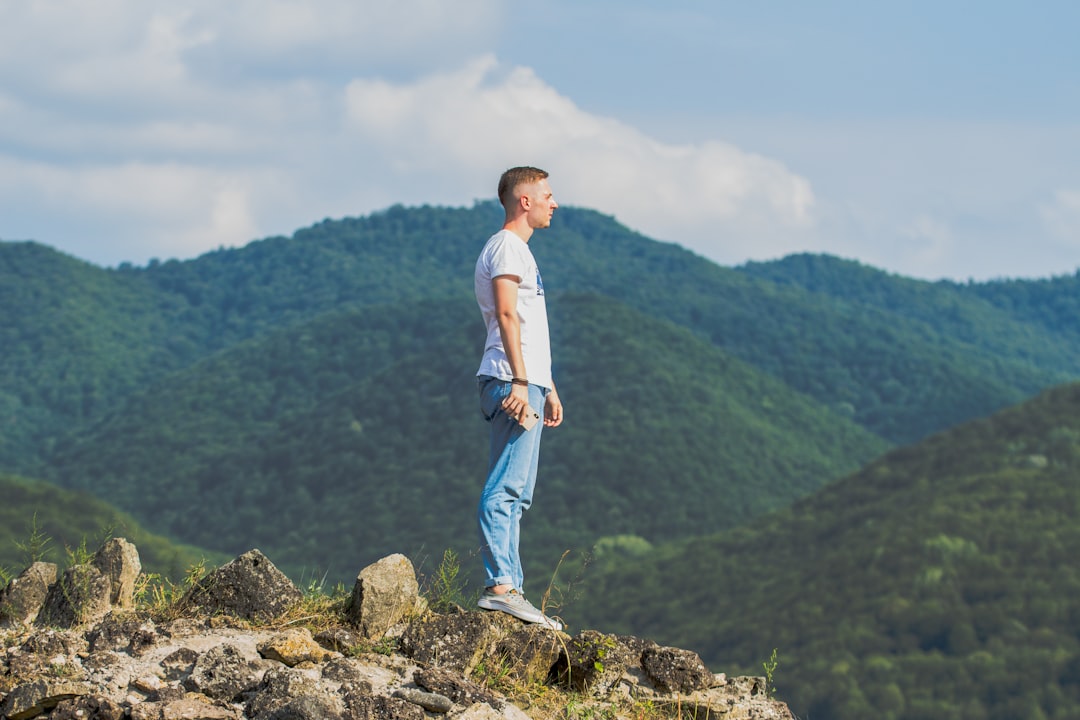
(520, 381)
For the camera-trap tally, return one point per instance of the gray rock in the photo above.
(188, 708)
(56, 642)
(338, 639)
(119, 561)
(44, 654)
(385, 592)
(528, 653)
(79, 597)
(349, 674)
(114, 633)
(278, 688)
(636, 646)
(382, 708)
(595, 663)
(676, 671)
(88, 707)
(294, 646)
(741, 698)
(457, 642)
(167, 694)
(481, 711)
(223, 673)
(432, 702)
(179, 664)
(34, 698)
(456, 687)
(307, 707)
(23, 597)
(250, 587)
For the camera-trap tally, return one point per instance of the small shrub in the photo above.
(446, 588)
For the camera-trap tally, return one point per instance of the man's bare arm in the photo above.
(505, 288)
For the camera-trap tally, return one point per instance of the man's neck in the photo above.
(520, 227)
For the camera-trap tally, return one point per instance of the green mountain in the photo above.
(1007, 319)
(82, 338)
(937, 582)
(74, 339)
(1051, 303)
(930, 355)
(39, 521)
(334, 442)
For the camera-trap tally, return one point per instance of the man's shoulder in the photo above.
(503, 237)
(505, 242)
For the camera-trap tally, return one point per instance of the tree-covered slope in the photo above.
(399, 255)
(39, 521)
(358, 434)
(184, 423)
(938, 582)
(1031, 321)
(79, 339)
(1051, 303)
(74, 339)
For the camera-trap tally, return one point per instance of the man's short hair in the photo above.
(514, 177)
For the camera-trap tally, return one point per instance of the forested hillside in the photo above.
(78, 339)
(39, 521)
(938, 582)
(1009, 318)
(358, 434)
(74, 340)
(199, 376)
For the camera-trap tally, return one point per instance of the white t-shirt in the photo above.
(507, 254)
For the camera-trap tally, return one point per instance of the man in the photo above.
(514, 380)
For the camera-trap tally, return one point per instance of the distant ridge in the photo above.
(939, 581)
(935, 355)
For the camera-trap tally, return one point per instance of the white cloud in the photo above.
(139, 139)
(472, 123)
(142, 211)
(139, 128)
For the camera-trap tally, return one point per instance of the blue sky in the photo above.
(930, 139)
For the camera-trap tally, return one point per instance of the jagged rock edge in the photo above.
(125, 664)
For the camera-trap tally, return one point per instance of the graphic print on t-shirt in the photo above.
(539, 284)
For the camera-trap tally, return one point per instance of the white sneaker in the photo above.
(514, 603)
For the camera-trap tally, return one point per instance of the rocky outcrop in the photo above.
(119, 561)
(384, 593)
(87, 592)
(250, 587)
(22, 599)
(231, 656)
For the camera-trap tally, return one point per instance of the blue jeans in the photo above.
(510, 481)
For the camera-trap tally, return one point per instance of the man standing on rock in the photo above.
(515, 384)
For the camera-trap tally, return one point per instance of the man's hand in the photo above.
(516, 402)
(553, 413)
